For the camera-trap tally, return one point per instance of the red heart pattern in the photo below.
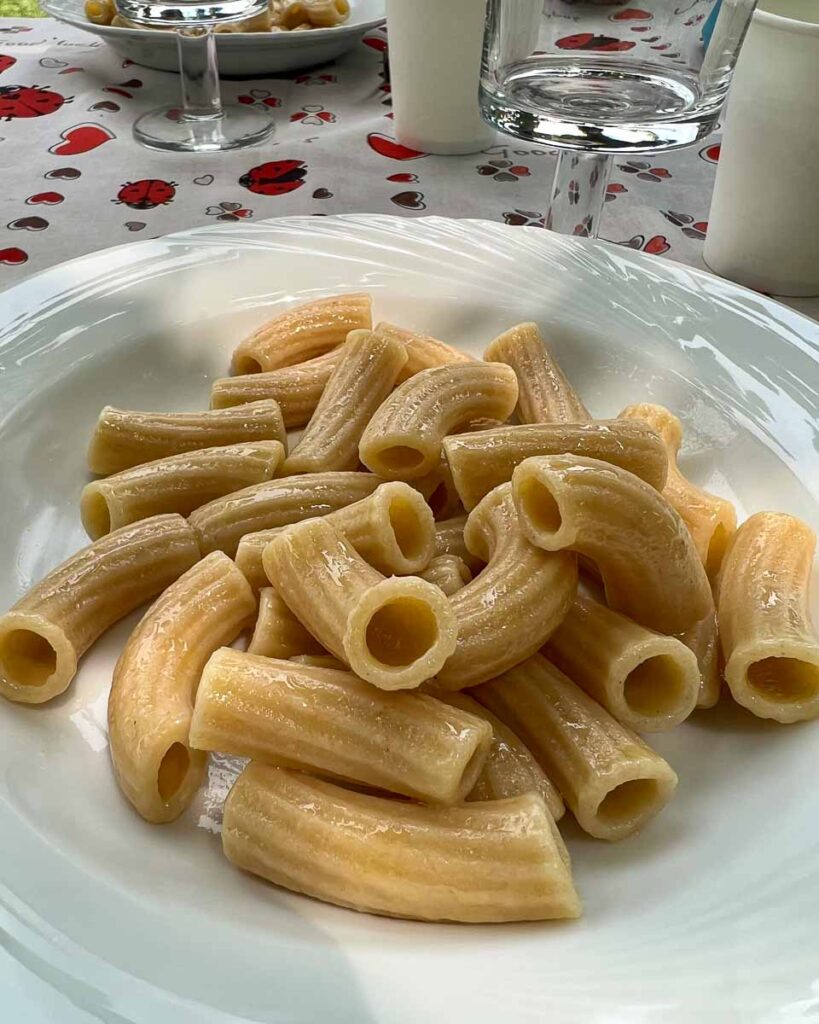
(82, 138)
(46, 198)
(385, 146)
(13, 256)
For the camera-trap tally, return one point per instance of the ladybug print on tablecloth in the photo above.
(146, 193)
(29, 101)
(276, 178)
(599, 44)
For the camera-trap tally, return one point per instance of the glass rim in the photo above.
(783, 23)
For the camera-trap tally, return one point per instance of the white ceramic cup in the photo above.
(763, 229)
(435, 58)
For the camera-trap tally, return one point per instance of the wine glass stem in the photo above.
(199, 72)
(578, 193)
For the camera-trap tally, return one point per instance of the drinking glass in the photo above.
(201, 124)
(612, 76)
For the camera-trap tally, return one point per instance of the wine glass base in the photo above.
(170, 129)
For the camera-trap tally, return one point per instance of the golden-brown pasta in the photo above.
(447, 572)
(326, 13)
(703, 639)
(612, 781)
(514, 605)
(123, 439)
(546, 396)
(302, 333)
(49, 629)
(423, 351)
(403, 439)
(278, 633)
(449, 540)
(770, 647)
(495, 861)
(645, 554)
(438, 488)
(155, 681)
(318, 661)
(179, 483)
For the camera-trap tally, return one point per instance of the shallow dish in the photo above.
(711, 914)
(248, 53)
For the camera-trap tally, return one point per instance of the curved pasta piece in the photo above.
(297, 389)
(403, 439)
(703, 640)
(771, 649)
(180, 483)
(514, 605)
(645, 554)
(155, 681)
(360, 382)
(221, 524)
(495, 861)
(326, 13)
(333, 723)
(123, 439)
(449, 540)
(302, 333)
(49, 629)
(485, 458)
(612, 781)
(278, 633)
(423, 351)
(392, 529)
(647, 681)
(711, 520)
(546, 396)
(318, 661)
(447, 572)
(439, 491)
(393, 632)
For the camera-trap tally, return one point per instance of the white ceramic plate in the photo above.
(711, 914)
(250, 53)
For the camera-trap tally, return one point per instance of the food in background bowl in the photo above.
(281, 16)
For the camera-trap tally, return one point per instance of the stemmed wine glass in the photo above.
(605, 77)
(201, 123)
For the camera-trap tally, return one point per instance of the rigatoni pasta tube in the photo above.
(711, 520)
(612, 781)
(481, 460)
(123, 439)
(423, 351)
(297, 389)
(180, 483)
(641, 546)
(278, 633)
(49, 629)
(546, 396)
(318, 661)
(447, 572)
(439, 491)
(393, 632)
(449, 540)
(513, 605)
(392, 529)
(403, 439)
(155, 680)
(770, 647)
(326, 13)
(703, 640)
(336, 724)
(222, 523)
(361, 380)
(495, 861)
(648, 681)
(302, 333)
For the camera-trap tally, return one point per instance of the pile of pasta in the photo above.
(281, 16)
(460, 625)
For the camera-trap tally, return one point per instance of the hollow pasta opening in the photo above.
(540, 505)
(342, 6)
(26, 658)
(401, 631)
(172, 770)
(785, 680)
(439, 498)
(246, 364)
(716, 549)
(628, 801)
(406, 528)
(655, 687)
(399, 457)
(95, 514)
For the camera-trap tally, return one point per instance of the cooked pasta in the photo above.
(302, 333)
(278, 633)
(711, 520)
(483, 459)
(336, 724)
(703, 639)
(49, 629)
(123, 439)
(438, 488)
(318, 661)
(179, 483)
(403, 439)
(360, 382)
(326, 13)
(449, 540)
(155, 681)
(545, 396)
(514, 605)
(221, 524)
(645, 554)
(423, 352)
(770, 647)
(494, 861)
(612, 781)
(447, 572)
(394, 632)
(647, 681)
